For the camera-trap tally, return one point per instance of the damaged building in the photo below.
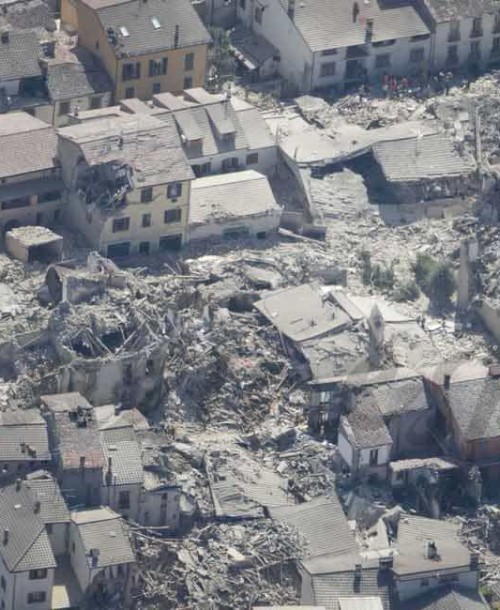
(129, 182)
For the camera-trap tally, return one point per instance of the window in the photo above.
(475, 50)
(144, 247)
(158, 67)
(156, 88)
(229, 164)
(420, 37)
(38, 574)
(373, 457)
(171, 216)
(252, 158)
(124, 499)
(495, 49)
(39, 218)
(146, 220)
(156, 23)
(95, 102)
(170, 243)
(146, 195)
(424, 582)
(454, 33)
(3, 584)
(452, 57)
(174, 190)
(6, 468)
(121, 224)
(63, 108)
(18, 202)
(188, 62)
(328, 52)
(73, 547)
(496, 26)
(120, 249)
(48, 528)
(258, 14)
(129, 93)
(383, 61)
(37, 597)
(477, 27)
(50, 196)
(188, 82)
(243, 5)
(417, 56)
(202, 170)
(131, 71)
(327, 69)
(384, 43)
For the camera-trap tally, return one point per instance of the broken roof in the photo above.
(28, 546)
(23, 436)
(138, 140)
(420, 158)
(73, 79)
(103, 529)
(449, 10)
(76, 431)
(413, 535)
(322, 523)
(121, 450)
(400, 396)
(32, 145)
(20, 55)
(328, 24)
(229, 196)
(302, 312)
(475, 406)
(251, 48)
(30, 236)
(365, 427)
(147, 27)
(44, 489)
(241, 487)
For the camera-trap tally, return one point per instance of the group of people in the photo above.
(421, 87)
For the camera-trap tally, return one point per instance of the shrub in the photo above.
(441, 285)
(407, 292)
(423, 268)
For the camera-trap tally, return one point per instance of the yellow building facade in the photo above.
(175, 60)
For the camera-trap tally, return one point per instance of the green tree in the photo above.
(423, 268)
(441, 285)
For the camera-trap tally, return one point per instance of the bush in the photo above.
(366, 266)
(383, 277)
(423, 268)
(407, 292)
(441, 285)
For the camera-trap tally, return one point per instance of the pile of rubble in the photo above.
(219, 566)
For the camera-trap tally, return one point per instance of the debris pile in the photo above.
(219, 566)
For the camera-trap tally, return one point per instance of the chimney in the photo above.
(355, 12)
(446, 381)
(432, 552)
(18, 484)
(37, 506)
(176, 37)
(6, 534)
(357, 572)
(385, 563)
(369, 30)
(5, 37)
(291, 9)
(82, 461)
